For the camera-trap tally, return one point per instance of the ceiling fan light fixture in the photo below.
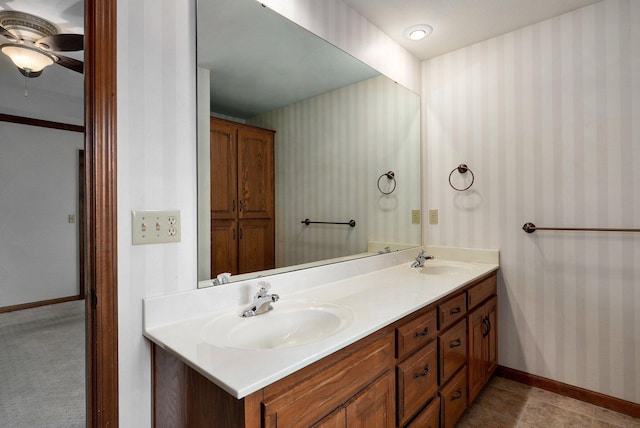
(27, 58)
(418, 32)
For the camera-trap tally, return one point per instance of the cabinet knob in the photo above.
(455, 311)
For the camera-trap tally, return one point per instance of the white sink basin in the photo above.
(444, 268)
(290, 323)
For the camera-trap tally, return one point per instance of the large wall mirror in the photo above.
(339, 125)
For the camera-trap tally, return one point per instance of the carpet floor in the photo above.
(42, 367)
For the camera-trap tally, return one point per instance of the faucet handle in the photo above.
(263, 287)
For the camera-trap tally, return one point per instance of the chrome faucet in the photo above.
(261, 301)
(422, 257)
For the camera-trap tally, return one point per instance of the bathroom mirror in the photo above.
(340, 128)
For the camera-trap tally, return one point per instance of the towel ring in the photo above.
(462, 169)
(390, 176)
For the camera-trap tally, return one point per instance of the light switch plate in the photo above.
(433, 216)
(155, 227)
(415, 216)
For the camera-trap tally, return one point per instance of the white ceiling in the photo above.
(457, 23)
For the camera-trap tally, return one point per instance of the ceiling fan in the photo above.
(33, 43)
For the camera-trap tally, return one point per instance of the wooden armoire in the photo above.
(242, 198)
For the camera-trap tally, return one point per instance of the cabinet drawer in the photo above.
(428, 417)
(453, 350)
(417, 381)
(416, 333)
(452, 310)
(304, 397)
(481, 291)
(454, 399)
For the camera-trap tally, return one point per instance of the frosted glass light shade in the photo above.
(26, 57)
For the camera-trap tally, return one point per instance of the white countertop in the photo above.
(377, 298)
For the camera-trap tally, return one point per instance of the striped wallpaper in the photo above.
(330, 151)
(547, 119)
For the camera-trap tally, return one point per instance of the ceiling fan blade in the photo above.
(70, 63)
(26, 73)
(8, 34)
(62, 42)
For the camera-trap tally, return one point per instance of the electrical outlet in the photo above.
(433, 216)
(155, 227)
(415, 216)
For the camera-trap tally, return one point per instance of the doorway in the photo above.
(100, 252)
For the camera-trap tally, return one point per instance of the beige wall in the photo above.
(546, 117)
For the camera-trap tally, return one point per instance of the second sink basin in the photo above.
(290, 323)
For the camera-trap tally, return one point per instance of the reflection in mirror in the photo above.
(339, 129)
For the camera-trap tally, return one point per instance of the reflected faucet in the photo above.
(422, 257)
(223, 278)
(261, 301)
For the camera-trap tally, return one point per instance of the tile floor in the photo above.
(507, 404)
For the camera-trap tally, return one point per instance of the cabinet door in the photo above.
(256, 245)
(337, 419)
(255, 173)
(483, 346)
(477, 330)
(223, 164)
(491, 312)
(373, 407)
(224, 247)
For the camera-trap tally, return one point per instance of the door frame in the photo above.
(101, 231)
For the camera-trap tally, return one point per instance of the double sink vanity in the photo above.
(369, 342)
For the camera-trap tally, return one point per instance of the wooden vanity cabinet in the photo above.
(242, 197)
(411, 374)
(483, 334)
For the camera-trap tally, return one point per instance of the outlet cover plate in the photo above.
(155, 227)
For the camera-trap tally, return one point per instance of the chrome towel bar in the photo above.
(306, 221)
(530, 228)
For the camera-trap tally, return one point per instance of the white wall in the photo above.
(547, 119)
(38, 191)
(330, 151)
(156, 170)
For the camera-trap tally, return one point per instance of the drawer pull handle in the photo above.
(455, 311)
(457, 395)
(455, 343)
(422, 373)
(424, 332)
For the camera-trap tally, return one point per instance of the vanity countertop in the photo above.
(376, 298)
